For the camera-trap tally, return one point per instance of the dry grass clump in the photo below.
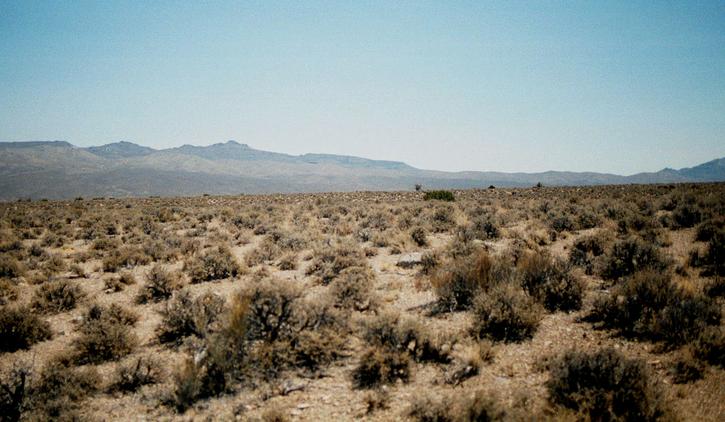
(118, 284)
(505, 313)
(713, 259)
(160, 285)
(8, 291)
(186, 316)
(468, 361)
(213, 265)
(550, 282)
(57, 296)
(105, 335)
(20, 329)
(419, 236)
(605, 385)
(710, 346)
(649, 305)
(330, 260)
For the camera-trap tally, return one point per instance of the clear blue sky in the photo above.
(513, 86)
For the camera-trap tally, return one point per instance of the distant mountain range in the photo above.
(58, 170)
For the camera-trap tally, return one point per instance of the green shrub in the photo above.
(57, 296)
(505, 313)
(606, 386)
(20, 329)
(439, 195)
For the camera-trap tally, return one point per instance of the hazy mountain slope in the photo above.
(61, 170)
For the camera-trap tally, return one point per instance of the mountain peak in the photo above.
(121, 149)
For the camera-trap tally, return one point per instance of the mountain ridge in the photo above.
(58, 170)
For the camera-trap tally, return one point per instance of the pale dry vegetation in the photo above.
(601, 303)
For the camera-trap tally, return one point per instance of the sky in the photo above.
(618, 87)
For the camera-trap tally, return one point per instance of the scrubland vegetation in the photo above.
(602, 303)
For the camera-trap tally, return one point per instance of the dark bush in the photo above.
(160, 285)
(10, 267)
(483, 228)
(505, 313)
(419, 236)
(20, 329)
(185, 316)
(707, 229)
(380, 366)
(440, 195)
(710, 346)
(270, 305)
(57, 296)
(686, 215)
(213, 265)
(586, 251)
(562, 223)
(387, 330)
(632, 255)
(125, 257)
(196, 381)
(550, 282)
(14, 389)
(606, 386)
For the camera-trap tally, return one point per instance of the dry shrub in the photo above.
(470, 407)
(57, 392)
(105, 335)
(550, 282)
(185, 316)
(118, 284)
(270, 309)
(213, 265)
(352, 289)
(458, 282)
(406, 335)
(505, 313)
(469, 361)
(195, 381)
(586, 252)
(632, 255)
(10, 267)
(125, 257)
(8, 291)
(329, 261)
(649, 305)
(710, 346)
(134, 374)
(605, 385)
(160, 285)
(686, 368)
(14, 388)
(418, 235)
(378, 366)
(57, 296)
(20, 329)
